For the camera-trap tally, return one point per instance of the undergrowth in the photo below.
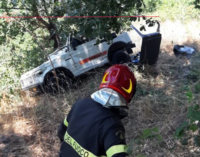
(173, 10)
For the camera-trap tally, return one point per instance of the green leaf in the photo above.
(11, 90)
(138, 141)
(179, 131)
(155, 129)
(51, 43)
(189, 96)
(197, 140)
(196, 107)
(159, 137)
(185, 141)
(193, 127)
(193, 114)
(128, 149)
(197, 88)
(190, 111)
(97, 42)
(146, 133)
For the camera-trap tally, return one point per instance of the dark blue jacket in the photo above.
(91, 130)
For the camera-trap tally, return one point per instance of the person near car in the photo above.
(93, 127)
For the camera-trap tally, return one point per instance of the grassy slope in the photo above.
(160, 101)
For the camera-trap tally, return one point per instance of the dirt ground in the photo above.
(28, 128)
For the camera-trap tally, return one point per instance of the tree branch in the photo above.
(36, 28)
(45, 8)
(35, 11)
(29, 31)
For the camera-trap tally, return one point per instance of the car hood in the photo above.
(42, 67)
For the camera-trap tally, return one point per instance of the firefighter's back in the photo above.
(89, 124)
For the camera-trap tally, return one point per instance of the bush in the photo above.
(182, 10)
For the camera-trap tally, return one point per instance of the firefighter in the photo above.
(93, 127)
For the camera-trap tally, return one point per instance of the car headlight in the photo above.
(40, 71)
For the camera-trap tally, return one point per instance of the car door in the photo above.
(84, 55)
(103, 48)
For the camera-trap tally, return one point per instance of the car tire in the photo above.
(65, 83)
(120, 57)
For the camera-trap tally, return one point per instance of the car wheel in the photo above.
(64, 83)
(120, 57)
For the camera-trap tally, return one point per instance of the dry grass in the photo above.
(29, 128)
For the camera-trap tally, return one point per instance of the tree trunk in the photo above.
(54, 35)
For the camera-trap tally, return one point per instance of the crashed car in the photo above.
(78, 57)
(74, 59)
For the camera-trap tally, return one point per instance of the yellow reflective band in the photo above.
(116, 149)
(80, 150)
(130, 87)
(65, 122)
(103, 80)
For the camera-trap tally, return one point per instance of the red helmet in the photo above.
(121, 79)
